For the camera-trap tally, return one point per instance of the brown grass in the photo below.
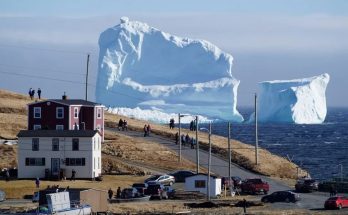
(19, 188)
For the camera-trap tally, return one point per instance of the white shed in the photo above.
(199, 183)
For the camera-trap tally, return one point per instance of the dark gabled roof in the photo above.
(211, 175)
(70, 102)
(74, 102)
(57, 133)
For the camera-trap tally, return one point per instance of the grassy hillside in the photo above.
(126, 154)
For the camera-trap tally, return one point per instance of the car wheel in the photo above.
(265, 192)
(287, 200)
(339, 207)
(265, 200)
(160, 197)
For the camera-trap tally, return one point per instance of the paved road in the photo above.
(220, 166)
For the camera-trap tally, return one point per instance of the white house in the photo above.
(56, 153)
(199, 183)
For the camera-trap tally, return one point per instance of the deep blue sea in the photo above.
(320, 148)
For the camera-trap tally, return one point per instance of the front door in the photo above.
(55, 167)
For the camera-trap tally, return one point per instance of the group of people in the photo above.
(118, 193)
(193, 125)
(171, 123)
(147, 130)
(122, 124)
(32, 93)
(185, 139)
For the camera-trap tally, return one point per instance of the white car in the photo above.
(162, 179)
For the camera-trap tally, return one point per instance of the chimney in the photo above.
(65, 97)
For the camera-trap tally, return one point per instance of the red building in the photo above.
(66, 114)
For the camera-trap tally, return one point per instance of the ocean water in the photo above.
(321, 149)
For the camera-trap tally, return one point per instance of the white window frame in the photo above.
(60, 127)
(37, 127)
(77, 127)
(99, 114)
(60, 108)
(98, 127)
(39, 112)
(76, 112)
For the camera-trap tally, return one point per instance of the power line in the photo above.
(36, 68)
(44, 49)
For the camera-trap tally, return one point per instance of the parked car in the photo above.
(141, 187)
(281, 196)
(337, 202)
(235, 180)
(156, 190)
(2, 196)
(180, 175)
(128, 193)
(255, 185)
(163, 179)
(306, 185)
(36, 197)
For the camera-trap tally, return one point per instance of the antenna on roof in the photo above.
(87, 78)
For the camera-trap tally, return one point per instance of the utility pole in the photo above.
(87, 78)
(256, 135)
(209, 164)
(229, 156)
(197, 147)
(179, 116)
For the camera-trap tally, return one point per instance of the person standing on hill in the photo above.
(145, 130)
(33, 93)
(39, 93)
(148, 129)
(30, 93)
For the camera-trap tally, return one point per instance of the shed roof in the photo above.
(57, 133)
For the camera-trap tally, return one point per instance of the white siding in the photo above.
(215, 185)
(65, 151)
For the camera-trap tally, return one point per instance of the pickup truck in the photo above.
(255, 185)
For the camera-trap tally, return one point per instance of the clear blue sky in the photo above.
(274, 39)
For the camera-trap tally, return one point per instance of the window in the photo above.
(59, 127)
(35, 144)
(35, 161)
(75, 144)
(37, 127)
(98, 127)
(75, 161)
(76, 112)
(200, 184)
(99, 113)
(60, 113)
(55, 144)
(76, 127)
(37, 112)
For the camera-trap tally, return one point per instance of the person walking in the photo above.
(148, 129)
(125, 125)
(7, 175)
(120, 124)
(73, 175)
(118, 192)
(37, 182)
(39, 93)
(110, 193)
(145, 130)
(176, 138)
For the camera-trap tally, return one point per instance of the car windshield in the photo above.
(333, 198)
(139, 185)
(309, 181)
(154, 177)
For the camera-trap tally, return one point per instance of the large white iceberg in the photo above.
(141, 66)
(300, 101)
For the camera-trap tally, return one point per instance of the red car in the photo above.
(337, 202)
(255, 185)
